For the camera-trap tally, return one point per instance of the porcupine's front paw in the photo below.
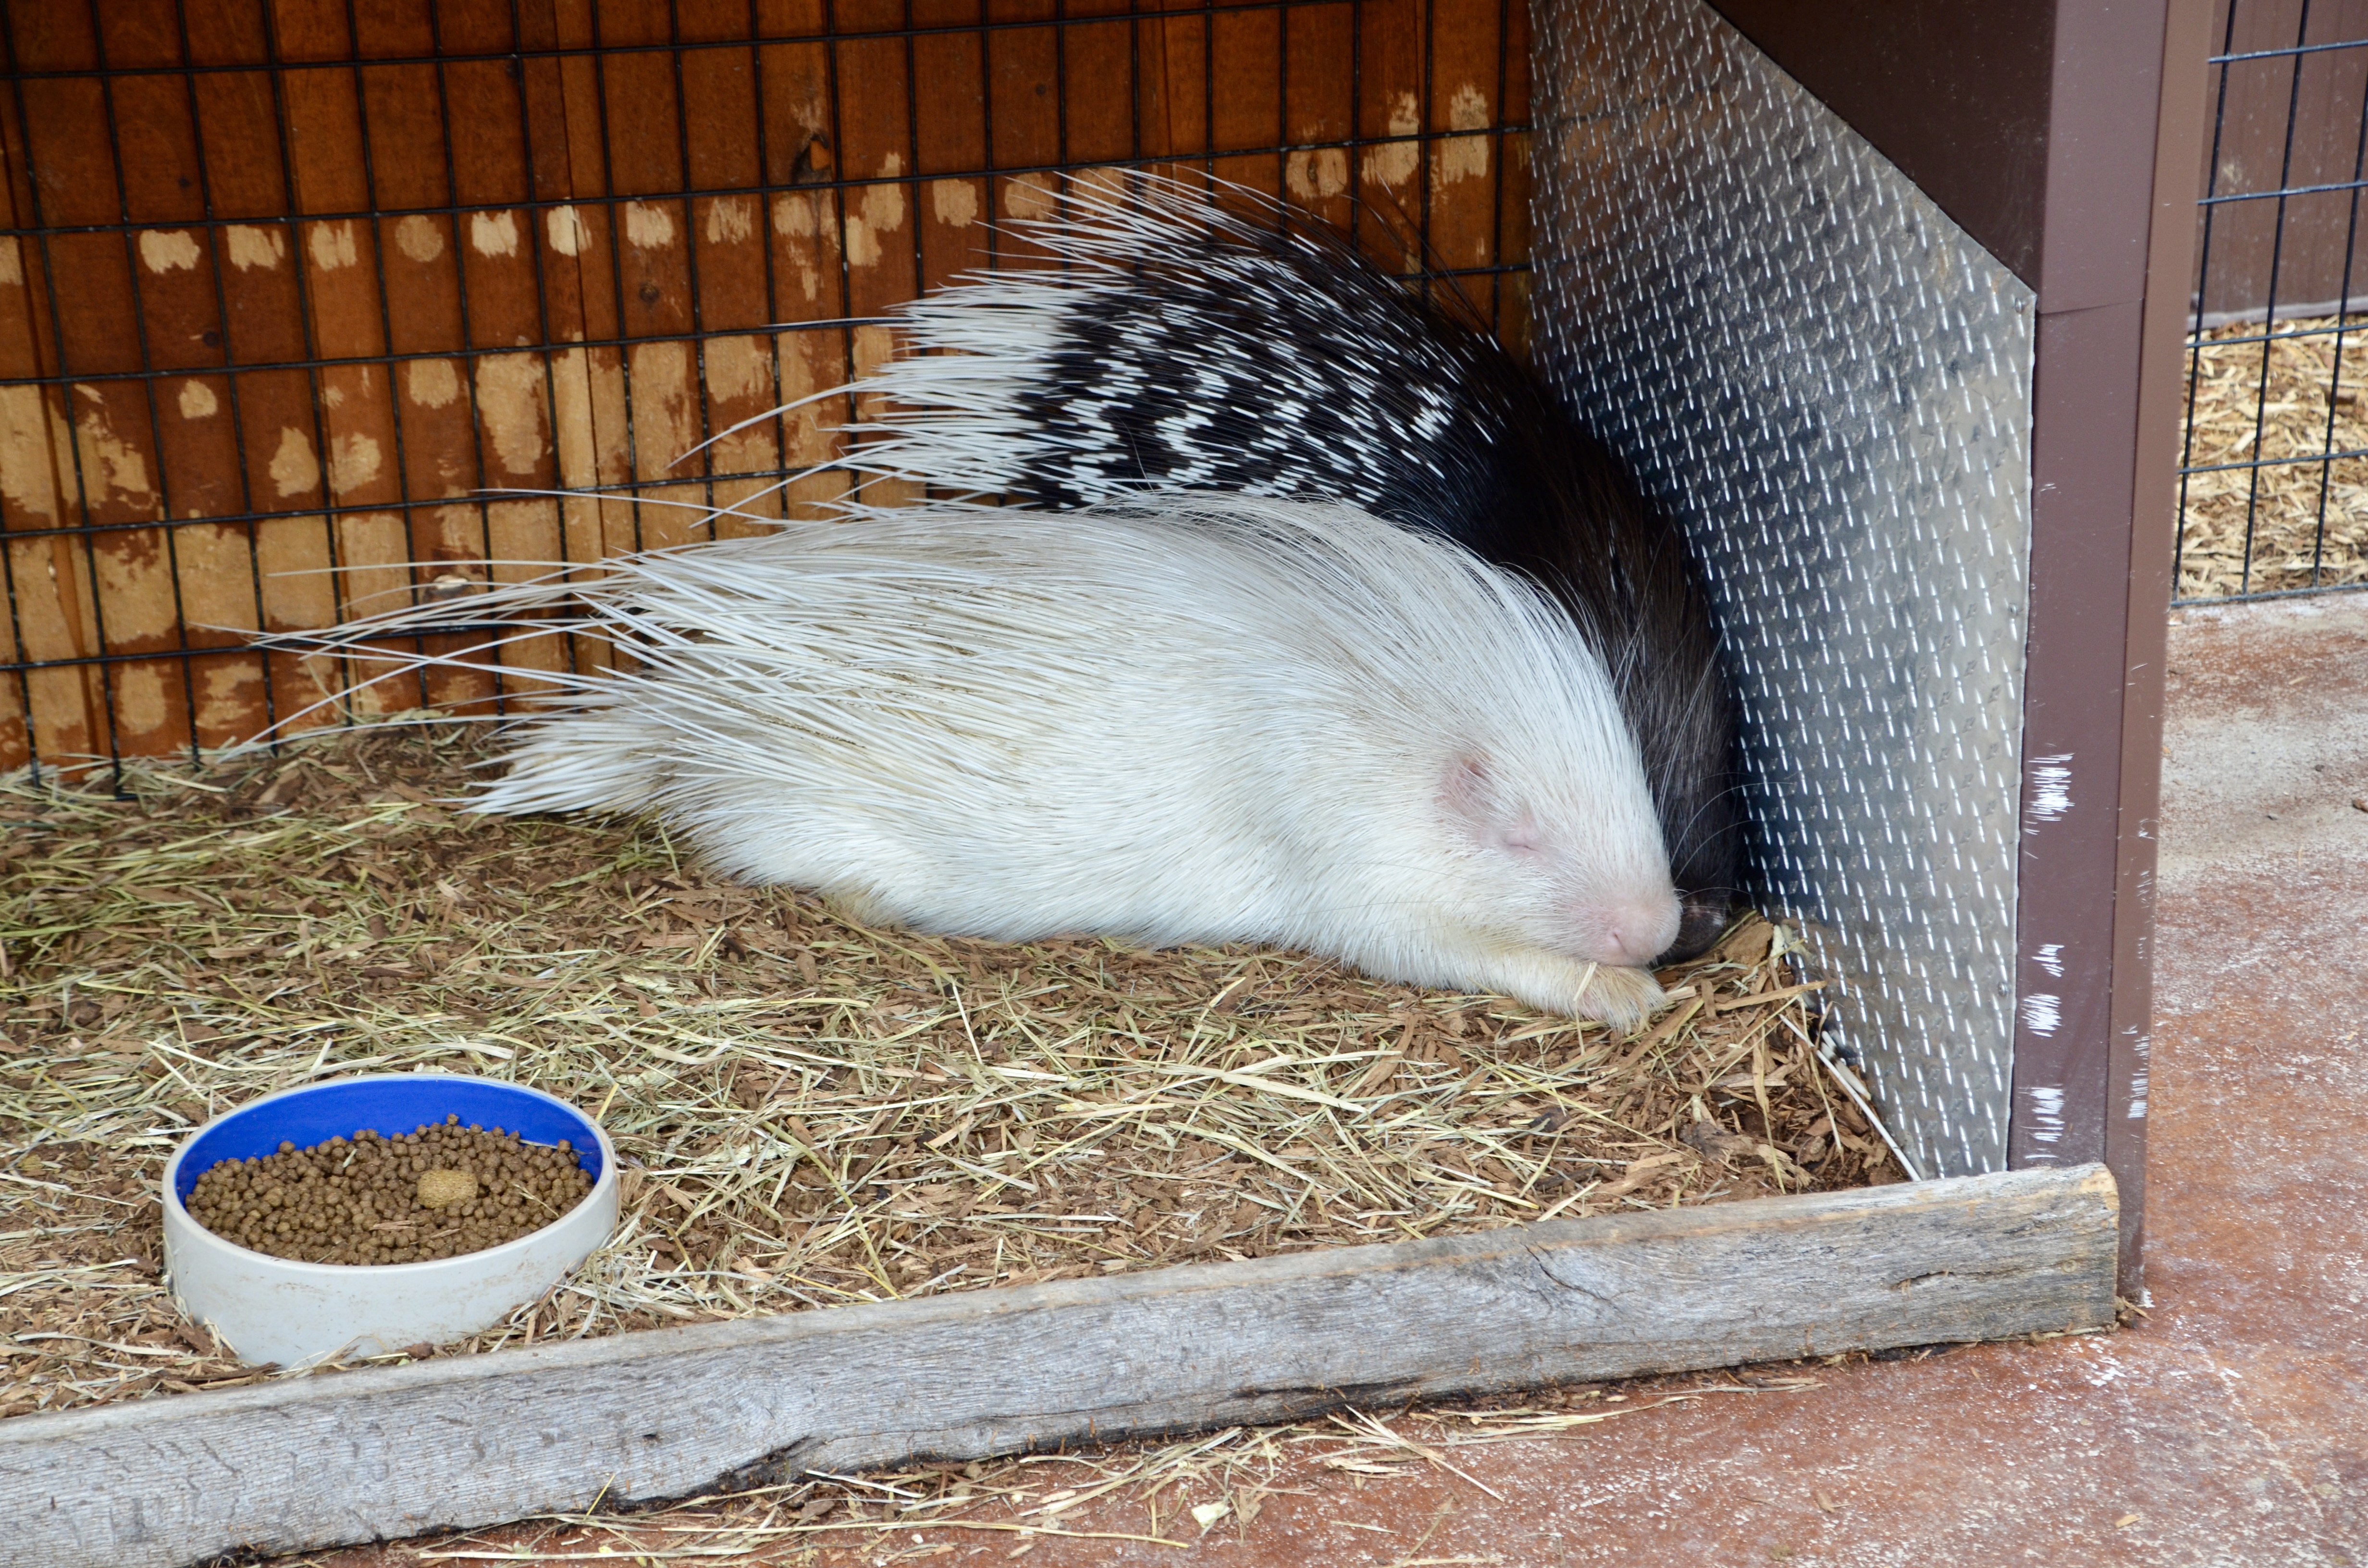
(1621, 997)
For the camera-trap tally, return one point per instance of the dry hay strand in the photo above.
(807, 1111)
(2234, 417)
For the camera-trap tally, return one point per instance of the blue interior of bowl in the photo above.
(391, 1108)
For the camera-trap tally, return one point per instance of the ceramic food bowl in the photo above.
(271, 1309)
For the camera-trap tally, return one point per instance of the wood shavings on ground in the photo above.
(2236, 416)
(808, 1112)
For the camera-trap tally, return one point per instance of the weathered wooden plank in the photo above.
(392, 1452)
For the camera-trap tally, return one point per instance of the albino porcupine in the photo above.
(1189, 346)
(1188, 717)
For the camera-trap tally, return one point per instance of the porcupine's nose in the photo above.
(1633, 934)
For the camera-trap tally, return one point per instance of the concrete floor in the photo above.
(2230, 1426)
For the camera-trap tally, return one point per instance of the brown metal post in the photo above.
(2179, 142)
(2117, 231)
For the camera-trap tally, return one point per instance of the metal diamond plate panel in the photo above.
(1830, 384)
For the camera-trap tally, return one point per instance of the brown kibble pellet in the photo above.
(441, 1190)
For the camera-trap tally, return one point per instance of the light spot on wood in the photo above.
(294, 469)
(882, 214)
(1110, 186)
(955, 202)
(198, 400)
(809, 362)
(566, 230)
(354, 461)
(138, 597)
(1394, 163)
(1460, 158)
(730, 219)
(295, 584)
(432, 383)
(1029, 196)
(12, 262)
(419, 237)
(332, 246)
(251, 247)
(167, 250)
(28, 477)
(509, 403)
(873, 346)
(588, 391)
(493, 233)
(1463, 157)
(140, 705)
(794, 215)
(739, 367)
(374, 551)
(666, 417)
(1468, 110)
(1317, 172)
(333, 396)
(117, 466)
(217, 586)
(223, 689)
(648, 225)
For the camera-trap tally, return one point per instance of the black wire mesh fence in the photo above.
(307, 305)
(2274, 475)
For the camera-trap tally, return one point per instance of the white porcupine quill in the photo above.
(1194, 719)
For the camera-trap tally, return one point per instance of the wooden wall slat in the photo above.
(139, 34)
(1391, 109)
(1460, 170)
(1175, 115)
(159, 140)
(952, 208)
(53, 38)
(1512, 290)
(137, 613)
(347, 558)
(310, 29)
(225, 32)
(475, 26)
(1247, 108)
(180, 305)
(199, 429)
(1321, 107)
(386, 28)
(739, 375)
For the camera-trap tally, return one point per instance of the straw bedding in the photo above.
(2291, 404)
(808, 1112)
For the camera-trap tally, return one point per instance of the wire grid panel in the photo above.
(304, 310)
(1829, 383)
(2274, 471)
